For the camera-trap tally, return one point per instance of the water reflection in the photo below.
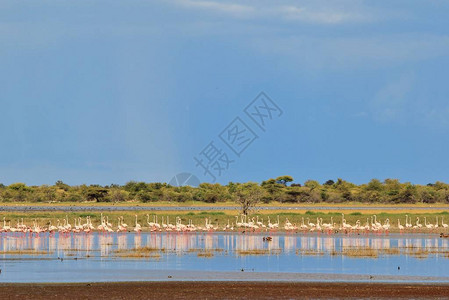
(417, 254)
(179, 244)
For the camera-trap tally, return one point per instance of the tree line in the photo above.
(281, 189)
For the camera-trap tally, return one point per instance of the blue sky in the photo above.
(111, 91)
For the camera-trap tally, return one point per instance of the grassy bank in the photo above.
(221, 218)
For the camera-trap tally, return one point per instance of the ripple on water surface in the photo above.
(226, 256)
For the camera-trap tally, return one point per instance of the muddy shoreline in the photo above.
(220, 290)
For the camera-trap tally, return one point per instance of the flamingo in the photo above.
(109, 224)
(288, 225)
(170, 226)
(68, 227)
(401, 228)
(101, 227)
(156, 224)
(76, 228)
(11, 229)
(179, 225)
(417, 225)
(123, 223)
(303, 226)
(85, 225)
(378, 224)
(442, 223)
(270, 225)
(309, 223)
(276, 225)
(318, 226)
(21, 226)
(91, 226)
(60, 228)
(345, 225)
(227, 227)
(408, 225)
(260, 224)
(386, 225)
(164, 225)
(428, 226)
(326, 225)
(52, 228)
(137, 228)
(367, 227)
(150, 224)
(120, 227)
(5, 227)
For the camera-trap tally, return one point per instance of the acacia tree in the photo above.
(248, 195)
(274, 190)
(97, 193)
(312, 184)
(329, 182)
(284, 179)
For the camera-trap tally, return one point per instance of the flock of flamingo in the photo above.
(371, 225)
(243, 224)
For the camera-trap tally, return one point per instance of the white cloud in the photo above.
(391, 102)
(402, 101)
(437, 116)
(328, 52)
(332, 16)
(229, 8)
(316, 14)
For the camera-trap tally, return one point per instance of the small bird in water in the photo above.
(399, 268)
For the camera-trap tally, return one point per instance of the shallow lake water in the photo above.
(227, 256)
